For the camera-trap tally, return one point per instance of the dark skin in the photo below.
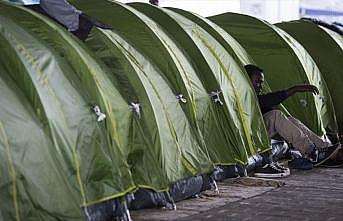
(257, 80)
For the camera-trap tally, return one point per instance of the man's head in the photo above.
(153, 2)
(256, 77)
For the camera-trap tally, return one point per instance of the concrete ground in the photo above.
(305, 195)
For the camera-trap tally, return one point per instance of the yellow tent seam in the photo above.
(129, 190)
(170, 125)
(12, 172)
(238, 103)
(153, 188)
(185, 74)
(22, 49)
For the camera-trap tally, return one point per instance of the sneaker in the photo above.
(301, 164)
(326, 153)
(269, 171)
(283, 168)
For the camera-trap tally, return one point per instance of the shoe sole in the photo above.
(324, 160)
(287, 172)
(266, 175)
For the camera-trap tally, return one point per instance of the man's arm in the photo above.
(267, 101)
(302, 88)
(275, 98)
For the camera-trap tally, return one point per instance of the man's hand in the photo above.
(302, 88)
(307, 88)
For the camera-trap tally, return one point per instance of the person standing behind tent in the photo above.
(75, 21)
(153, 2)
(313, 149)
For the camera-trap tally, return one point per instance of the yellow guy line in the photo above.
(11, 171)
(238, 102)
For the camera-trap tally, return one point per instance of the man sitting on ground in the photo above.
(314, 150)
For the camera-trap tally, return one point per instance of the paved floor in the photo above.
(307, 195)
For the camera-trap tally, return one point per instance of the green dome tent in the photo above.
(326, 48)
(282, 57)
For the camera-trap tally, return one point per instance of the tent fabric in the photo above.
(258, 132)
(282, 57)
(327, 51)
(158, 47)
(151, 70)
(199, 56)
(84, 161)
(242, 58)
(240, 55)
(159, 102)
(154, 103)
(93, 161)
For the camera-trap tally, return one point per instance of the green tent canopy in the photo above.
(282, 57)
(326, 48)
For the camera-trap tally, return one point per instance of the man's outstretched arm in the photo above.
(302, 88)
(267, 101)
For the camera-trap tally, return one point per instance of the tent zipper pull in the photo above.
(101, 116)
(215, 95)
(136, 107)
(181, 98)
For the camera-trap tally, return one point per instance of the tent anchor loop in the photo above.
(136, 107)
(181, 98)
(101, 116)
(215, 95)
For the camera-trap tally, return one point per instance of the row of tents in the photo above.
(154, 104)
